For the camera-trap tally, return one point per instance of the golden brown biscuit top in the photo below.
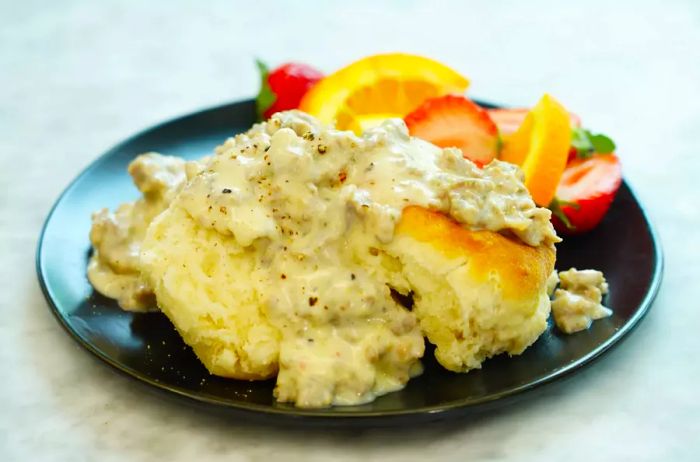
(522, 268)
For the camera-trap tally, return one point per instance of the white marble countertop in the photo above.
(76, 77)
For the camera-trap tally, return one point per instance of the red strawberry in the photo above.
(508, 120)
(585, 192)
(284, 86)
(456, 121)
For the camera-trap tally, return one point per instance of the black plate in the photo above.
(146, 346)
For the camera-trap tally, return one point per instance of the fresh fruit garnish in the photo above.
(541, 147)
(508, 120)
(372, 89)
(559, 218)
(282, 88)
(586, 143)
(585, 192)
(455, 121)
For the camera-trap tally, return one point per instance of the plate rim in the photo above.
(322, 416)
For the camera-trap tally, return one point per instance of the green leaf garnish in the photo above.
(266, 97)
(581, 142)
(602, 144)
(556, 207)
(587, 143)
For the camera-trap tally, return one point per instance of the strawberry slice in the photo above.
(585, 192)
(455, 121)
(508, 120)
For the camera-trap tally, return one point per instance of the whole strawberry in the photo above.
(282, 88)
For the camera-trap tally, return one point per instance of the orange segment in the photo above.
(541, 147)
(378, 87)
(516, 145)
(394, 96)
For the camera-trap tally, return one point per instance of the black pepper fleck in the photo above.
(312, 301)
(226, 191)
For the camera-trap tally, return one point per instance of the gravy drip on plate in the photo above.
(116, 237)
(578, 300)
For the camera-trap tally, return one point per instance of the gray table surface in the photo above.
(76, 77)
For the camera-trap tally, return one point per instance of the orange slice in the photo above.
(378, 87)
(541, 147)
